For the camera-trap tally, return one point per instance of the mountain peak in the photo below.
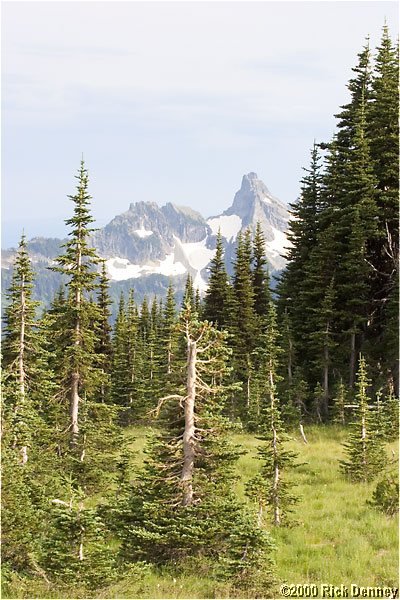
(251, 183)
(250, 176)
(252, 190)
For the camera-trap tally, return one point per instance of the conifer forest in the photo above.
(232, 443)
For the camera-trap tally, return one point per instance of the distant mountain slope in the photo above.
(147, 245)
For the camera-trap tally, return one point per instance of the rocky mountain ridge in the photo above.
(149, 243)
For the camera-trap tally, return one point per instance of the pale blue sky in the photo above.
(168, 101)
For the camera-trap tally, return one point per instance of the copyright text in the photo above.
(325, 590)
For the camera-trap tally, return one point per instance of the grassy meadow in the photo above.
(337, 538)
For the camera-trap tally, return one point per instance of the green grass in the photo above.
(338, 538)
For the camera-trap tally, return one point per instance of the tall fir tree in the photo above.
(120, 378)
(261, 279)
(21, 351)
(215, 300)
(383, 249)
(104, 345)
(78, 263)
(243, 323)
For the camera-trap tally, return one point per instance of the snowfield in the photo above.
(230, 225)
(278, 244)
(120, 269)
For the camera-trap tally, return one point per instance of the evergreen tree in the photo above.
(120, 378)
(339, 404)
(364, 449)
(322, 342)
(80, 361)
(269, 488)
(21, 350)
(104, 345)
(168, 336)
(28, 463)
(136, 339)
(298, 292)
(242, 324)
(261, 279)
(386, 494)
(383, 249)
(216, 295)
(75, 550)
(189, 293)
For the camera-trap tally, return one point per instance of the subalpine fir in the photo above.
(80, 362)
(365, 454)
(270, 489)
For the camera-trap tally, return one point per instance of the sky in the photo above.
(168, 101)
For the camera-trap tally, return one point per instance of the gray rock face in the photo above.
(146, 232)
(254, 203)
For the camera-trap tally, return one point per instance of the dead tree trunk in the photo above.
(275, 493)
(75, 375)
(275, 485)
(189, 431)
(74, 408)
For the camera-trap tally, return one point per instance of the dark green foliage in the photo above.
(76, 547)
(387, 415)
(104, 345)
(386, 494)
(20, 516)
(189, 296)
(121, 375)
(261, 280)
(383, 131)
(79, 370)
(27, 389)
(339, 404)
(70, 381)
(215, 300)
(338, 286)
(242, 323)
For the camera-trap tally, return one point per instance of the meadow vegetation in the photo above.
(337, 537)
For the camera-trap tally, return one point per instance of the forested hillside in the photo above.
(238, 369)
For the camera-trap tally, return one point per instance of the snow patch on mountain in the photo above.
(143, 233)
(199, 283)
(197, 254)
(278, 245)
(229, 225)
(120, 269)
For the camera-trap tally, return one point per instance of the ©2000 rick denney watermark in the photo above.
(326, 590)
